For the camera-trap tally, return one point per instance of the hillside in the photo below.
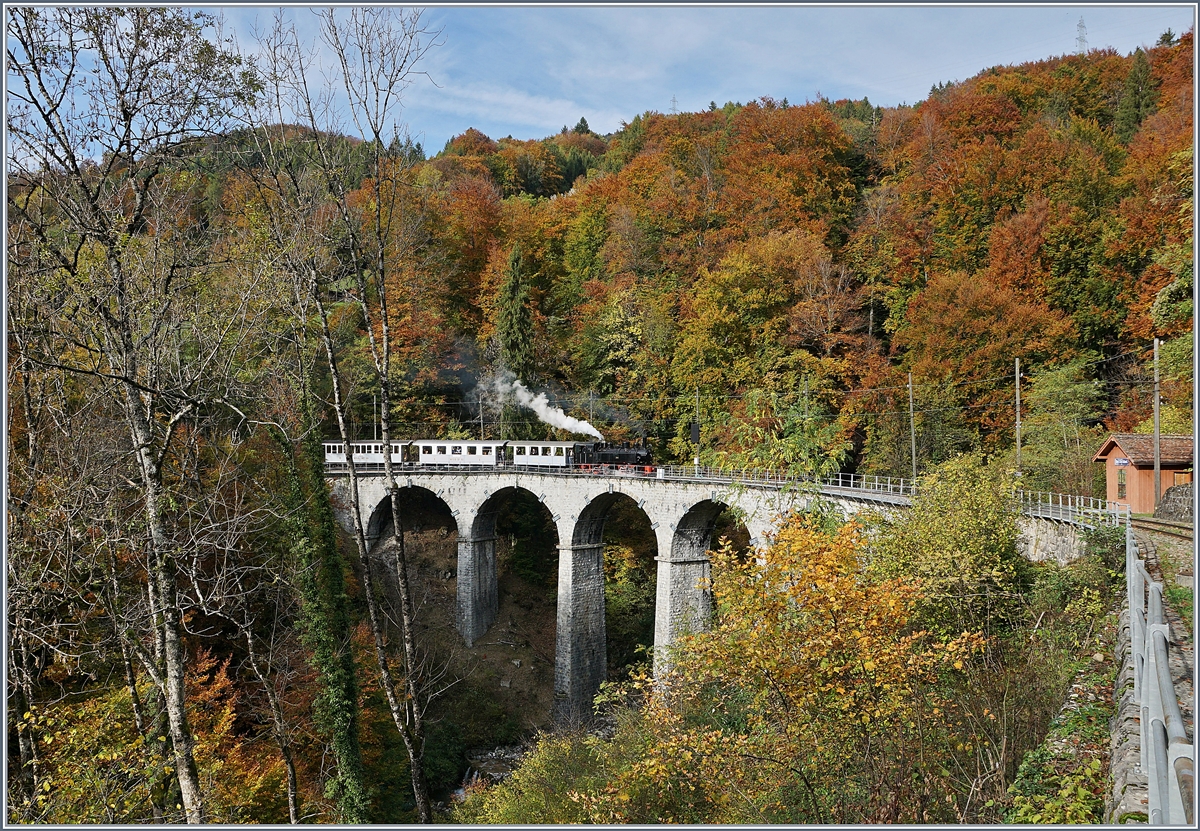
(752, 252)
(201, 289)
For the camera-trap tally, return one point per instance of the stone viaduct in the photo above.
(682, 509)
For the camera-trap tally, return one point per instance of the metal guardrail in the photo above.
(1078, 510)
(1064, 507)
(1167, 757)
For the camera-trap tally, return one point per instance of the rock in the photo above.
(516, 663)
(1176, 504)
(505, 683)
(495, 764)
(1098, 657)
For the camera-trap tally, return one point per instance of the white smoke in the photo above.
(551, 415)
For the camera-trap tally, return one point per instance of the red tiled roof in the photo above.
(1139, 449)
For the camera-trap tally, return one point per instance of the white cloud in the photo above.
(476, 104)
(528, 70)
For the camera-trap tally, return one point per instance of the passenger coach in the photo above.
(593, 457)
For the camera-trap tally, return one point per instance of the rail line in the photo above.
(1171, 529)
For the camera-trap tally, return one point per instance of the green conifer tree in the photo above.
(515, 324)
(1137, 99)
(514, 329)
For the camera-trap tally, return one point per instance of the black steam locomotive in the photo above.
(604, 453)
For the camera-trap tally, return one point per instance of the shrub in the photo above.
(960, 539)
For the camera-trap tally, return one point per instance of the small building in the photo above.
(1129, 467)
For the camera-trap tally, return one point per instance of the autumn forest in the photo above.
(215, 262)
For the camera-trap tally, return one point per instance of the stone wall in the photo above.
(1176, 504)
(1040, 540)
(1130, 796)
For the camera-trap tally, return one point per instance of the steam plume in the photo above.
(552, 415)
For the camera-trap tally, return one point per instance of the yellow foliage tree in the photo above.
(98, 769)
(811, 699)
(960, 538)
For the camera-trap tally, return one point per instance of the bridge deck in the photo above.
(1068, 508)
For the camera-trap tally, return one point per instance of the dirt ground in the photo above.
(513, 663)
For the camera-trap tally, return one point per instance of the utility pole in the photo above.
(374, 420)
(696, 433)
(1017, 382)
(1157, 435)
(912, 428)
(481, 415)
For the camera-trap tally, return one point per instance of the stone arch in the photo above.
(581, 659)
(380, 520)
(478, 592)
(683, 604)
(429, 543)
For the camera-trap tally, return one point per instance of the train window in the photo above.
(456, 450)
(520, 451)
(471, 450)
(426, 450)
(441, 450)
(558, 451)
(486, 451)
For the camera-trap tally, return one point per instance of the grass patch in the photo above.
(1181, 600)
(1172, 560)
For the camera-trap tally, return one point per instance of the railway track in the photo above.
(1171, 529)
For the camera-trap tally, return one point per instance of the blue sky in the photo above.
(527, 71)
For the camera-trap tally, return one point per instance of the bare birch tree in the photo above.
(102, 101)
(377, 52)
